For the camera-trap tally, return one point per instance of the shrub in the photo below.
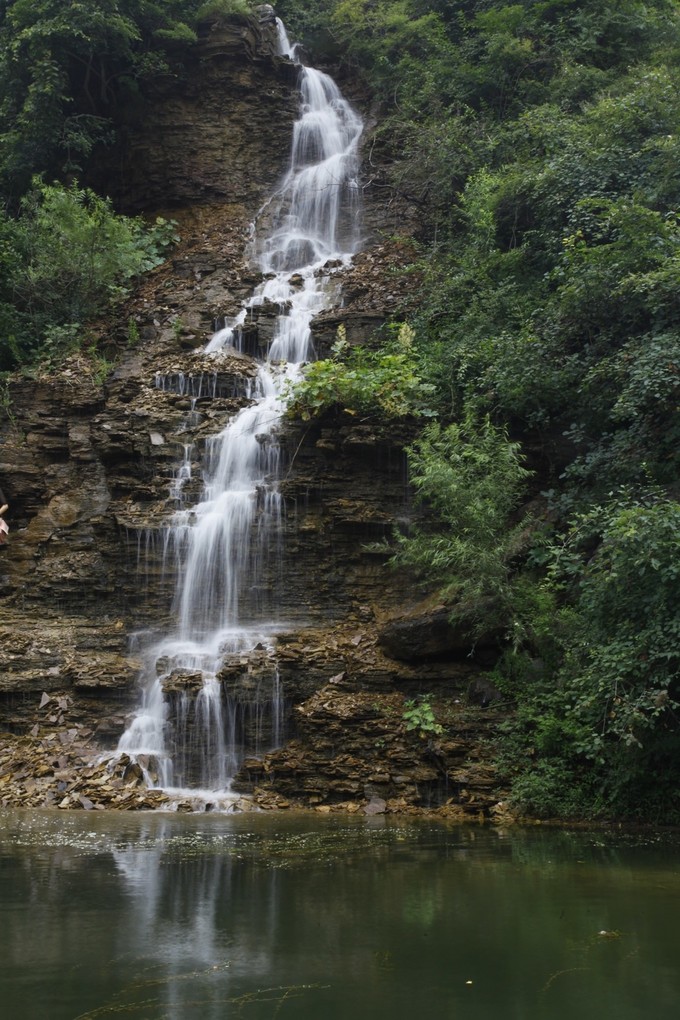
(470, 476)
(606, 722)
(71, 255)
(363, 381)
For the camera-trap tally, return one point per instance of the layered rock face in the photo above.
(215, 129)
(88, 462)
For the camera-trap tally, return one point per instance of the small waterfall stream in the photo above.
(216, 544)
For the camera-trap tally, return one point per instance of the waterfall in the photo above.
(311, 220)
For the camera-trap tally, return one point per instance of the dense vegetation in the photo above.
(65, 70)
(540, 143)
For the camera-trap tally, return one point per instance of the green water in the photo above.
(273, 918)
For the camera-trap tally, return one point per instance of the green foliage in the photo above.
(544, 163)
(80, 253)
(419, 715)
(132, 333)
(310, 22)
(65, 258)
(562, 786)
(608, 719)
(363, 381)
(6, 406)
(470, 476)
(65, 69)
(99, 365)
(562, 275)
(625, 669)
(216, 9)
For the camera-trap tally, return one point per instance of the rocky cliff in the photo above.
(87, 461)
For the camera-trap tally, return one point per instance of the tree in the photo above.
(62, 261)
(470, 476)
(63, 67)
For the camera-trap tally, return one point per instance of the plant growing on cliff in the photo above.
(470, 478)
(361, 380)
(419, 715)
(72, 255)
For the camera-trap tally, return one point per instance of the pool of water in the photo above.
(266, 917)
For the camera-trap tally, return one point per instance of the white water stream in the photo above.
(312, 220)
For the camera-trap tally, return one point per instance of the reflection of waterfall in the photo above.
(194, 916)
(218, 543)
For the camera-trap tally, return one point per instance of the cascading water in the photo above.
(312, 221)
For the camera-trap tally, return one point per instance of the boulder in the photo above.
(439, 632)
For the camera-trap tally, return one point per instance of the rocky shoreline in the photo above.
(351, 751)
(64, 771)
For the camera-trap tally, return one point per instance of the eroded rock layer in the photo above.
(217, 127)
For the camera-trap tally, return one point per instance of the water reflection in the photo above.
(260, 917)
(191, 906)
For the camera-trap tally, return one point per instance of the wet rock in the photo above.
(80, 778)
(265, 14)
(267, 800)
(423, 633)
(484, 693)
(182, 681)
(90, 469)
(203, 132)
(354, 747)
(375, 806)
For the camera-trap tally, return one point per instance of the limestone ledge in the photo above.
(355, 748)
(74, 664)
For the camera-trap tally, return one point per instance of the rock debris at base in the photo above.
(61, 770)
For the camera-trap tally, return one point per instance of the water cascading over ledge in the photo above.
(189, 731)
